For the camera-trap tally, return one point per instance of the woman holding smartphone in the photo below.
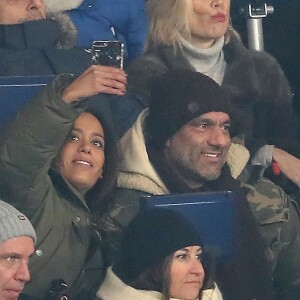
(58, 165)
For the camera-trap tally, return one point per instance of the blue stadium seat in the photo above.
(17, 90)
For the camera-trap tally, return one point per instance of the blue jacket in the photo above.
(94, 20)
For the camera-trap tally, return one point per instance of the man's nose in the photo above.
(218, 137)
(22, 272)
(34, 4)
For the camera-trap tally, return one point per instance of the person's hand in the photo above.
(96, 80)
(288, 164)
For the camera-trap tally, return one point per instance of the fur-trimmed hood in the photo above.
(68, 31)
(53, 6)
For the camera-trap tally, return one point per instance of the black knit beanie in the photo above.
(149, 238)
(177, 97)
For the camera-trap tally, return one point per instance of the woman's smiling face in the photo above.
(82, 157)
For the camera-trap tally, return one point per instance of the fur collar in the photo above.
(68, 31)
(141, 183)
(53, 6)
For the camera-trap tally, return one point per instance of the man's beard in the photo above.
(195, 176)
(32, 17)
(208, 177)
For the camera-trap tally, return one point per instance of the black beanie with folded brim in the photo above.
(177, 97)
(150, 237)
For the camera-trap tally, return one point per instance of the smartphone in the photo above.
(108, 53)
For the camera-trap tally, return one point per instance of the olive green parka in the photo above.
(59, 213)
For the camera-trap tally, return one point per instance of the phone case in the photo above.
(108, 53)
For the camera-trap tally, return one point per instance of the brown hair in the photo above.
(155, 278)
(158, 278)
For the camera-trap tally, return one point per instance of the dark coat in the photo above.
(41, 47)
(281, 37)
(59, 214)
(46, 47)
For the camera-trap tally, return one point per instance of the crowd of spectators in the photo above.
(194, 110)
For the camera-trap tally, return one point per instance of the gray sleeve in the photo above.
(263, 157)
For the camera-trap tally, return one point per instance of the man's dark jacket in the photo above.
(41, 47)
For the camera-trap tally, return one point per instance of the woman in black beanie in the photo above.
(162, 258)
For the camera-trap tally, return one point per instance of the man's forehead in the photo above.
(21, 245)
(213, 116)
